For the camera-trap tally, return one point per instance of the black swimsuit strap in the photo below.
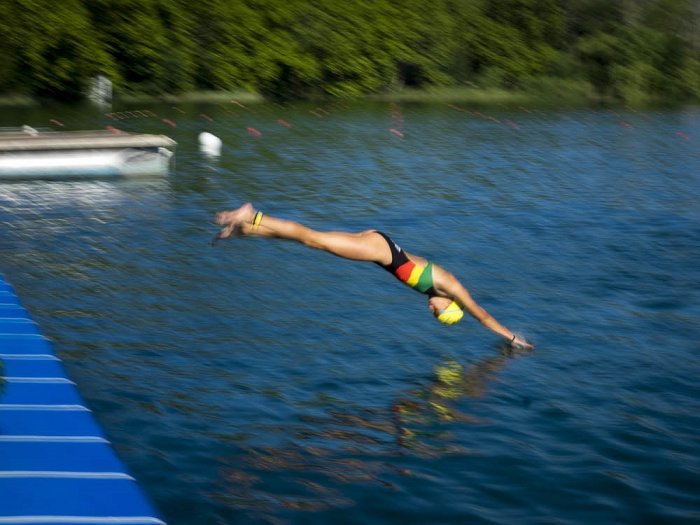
(398, 256)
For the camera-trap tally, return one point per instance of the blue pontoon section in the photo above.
(56, 466)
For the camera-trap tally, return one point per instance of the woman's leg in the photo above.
(364, 246)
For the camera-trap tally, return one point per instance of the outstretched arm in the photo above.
(448, 285)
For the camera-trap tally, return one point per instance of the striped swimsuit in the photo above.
(420, 278)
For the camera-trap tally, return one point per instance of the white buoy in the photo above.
(209, 144)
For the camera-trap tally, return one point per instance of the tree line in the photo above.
(624, 50)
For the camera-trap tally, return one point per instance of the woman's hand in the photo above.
(521, 342)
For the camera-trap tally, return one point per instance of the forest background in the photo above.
(618, 51)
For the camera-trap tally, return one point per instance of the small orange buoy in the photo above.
(284, 123)
(169, 122)
(253, 132)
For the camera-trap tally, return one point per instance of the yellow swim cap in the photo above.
(451, 315)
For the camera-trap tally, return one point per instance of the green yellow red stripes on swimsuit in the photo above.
(420, 278)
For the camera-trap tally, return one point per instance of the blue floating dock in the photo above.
(56, 466)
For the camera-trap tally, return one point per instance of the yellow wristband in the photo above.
(258, 218)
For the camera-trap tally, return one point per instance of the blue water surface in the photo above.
(259, 381)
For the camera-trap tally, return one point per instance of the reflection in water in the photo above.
(363, 447)
(417, 416)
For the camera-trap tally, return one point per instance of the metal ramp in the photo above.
(56, 466)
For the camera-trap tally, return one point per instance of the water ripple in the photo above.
(260, 382)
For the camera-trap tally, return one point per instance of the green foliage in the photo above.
(586, 17)
(633, 82)
(599, 52)
(639, 64)
(629, 50)
(547, 90)
(55, 47)
(149, 40)
(537, 21)
(503, 47)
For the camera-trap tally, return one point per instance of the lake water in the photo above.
(259, 381)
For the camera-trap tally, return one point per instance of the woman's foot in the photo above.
(231, 221)
(245, 213)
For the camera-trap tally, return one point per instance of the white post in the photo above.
(100, 90)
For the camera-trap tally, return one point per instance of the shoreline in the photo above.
(559, 96)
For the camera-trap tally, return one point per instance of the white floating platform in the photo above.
(32, 154)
